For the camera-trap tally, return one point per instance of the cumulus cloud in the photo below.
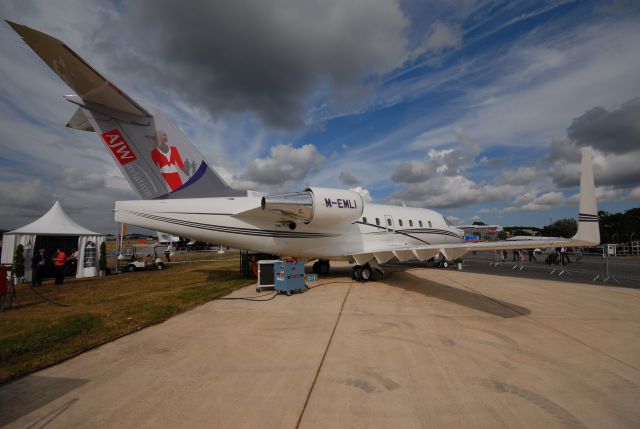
(439, 181)
(366, 195)
(440, 37)
(348, 179)
(542, 202)
(80, 180)
(284, 166)
(450, 161)
(454, 220)
(520, 176)
(256, 56)
(443, 191)
(24, 198)
(616, 131)
(613, 138)
(413, 171)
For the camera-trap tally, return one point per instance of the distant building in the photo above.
(485, 232)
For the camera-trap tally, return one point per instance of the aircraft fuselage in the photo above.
(238, 222)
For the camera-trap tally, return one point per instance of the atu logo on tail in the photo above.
(118, 146)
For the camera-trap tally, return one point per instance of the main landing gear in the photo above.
(366, 272)
(321, 267)
(361, 272)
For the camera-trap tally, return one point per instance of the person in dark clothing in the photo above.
(38, 262)
(532, 256)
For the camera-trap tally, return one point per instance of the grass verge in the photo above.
(35, 333)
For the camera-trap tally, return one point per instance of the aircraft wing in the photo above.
(454, 250)
(588, 233)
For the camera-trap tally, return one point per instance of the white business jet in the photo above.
(184, 197)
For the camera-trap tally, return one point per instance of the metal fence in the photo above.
(598, 266)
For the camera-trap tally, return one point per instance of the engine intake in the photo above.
(317, 206)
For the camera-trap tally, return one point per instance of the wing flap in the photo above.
(404, 255)
(454, 250)
(383, 257)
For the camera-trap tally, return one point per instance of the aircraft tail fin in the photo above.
(155, 157)
(77, 73)
(588, 226)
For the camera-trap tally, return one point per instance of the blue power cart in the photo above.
(289, 276)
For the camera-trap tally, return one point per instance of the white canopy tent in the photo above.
(54, 223)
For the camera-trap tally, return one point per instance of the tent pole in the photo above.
(118, 247)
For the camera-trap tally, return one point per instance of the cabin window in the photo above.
(429, 224)
(364, 220)
(389, 221)
(90, 254)
(410, 222)
(420, 223)
(400, 222)
(378, 221)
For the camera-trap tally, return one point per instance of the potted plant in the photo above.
(18, 264)
(102, 262)
(458, 262)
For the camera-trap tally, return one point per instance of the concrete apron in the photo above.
(421, 348)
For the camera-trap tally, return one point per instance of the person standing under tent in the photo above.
(59, 262)
(72, 262)
(38, 262)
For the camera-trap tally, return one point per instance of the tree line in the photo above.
(614, 227)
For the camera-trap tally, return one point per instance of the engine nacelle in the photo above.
(317, 206)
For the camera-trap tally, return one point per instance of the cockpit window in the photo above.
(447, 221)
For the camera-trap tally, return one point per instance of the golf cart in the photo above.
(142, 257)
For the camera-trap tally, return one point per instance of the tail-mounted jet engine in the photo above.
(317, 206)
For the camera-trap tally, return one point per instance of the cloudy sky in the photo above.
(477, 109)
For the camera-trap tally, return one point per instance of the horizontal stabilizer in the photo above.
(79, 121)
(75, 72)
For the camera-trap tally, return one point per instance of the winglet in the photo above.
(588, 226)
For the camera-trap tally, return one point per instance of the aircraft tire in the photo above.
(323, 267)
(445, 264)
(131, 268)
(357, 272)
(366, 273)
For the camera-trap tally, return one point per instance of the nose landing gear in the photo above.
(321, 267)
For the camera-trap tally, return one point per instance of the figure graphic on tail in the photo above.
(168, 160)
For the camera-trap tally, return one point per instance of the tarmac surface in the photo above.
(420, 348)
(622, 270)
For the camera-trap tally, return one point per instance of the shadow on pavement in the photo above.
(30, 393)
(410, 282)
